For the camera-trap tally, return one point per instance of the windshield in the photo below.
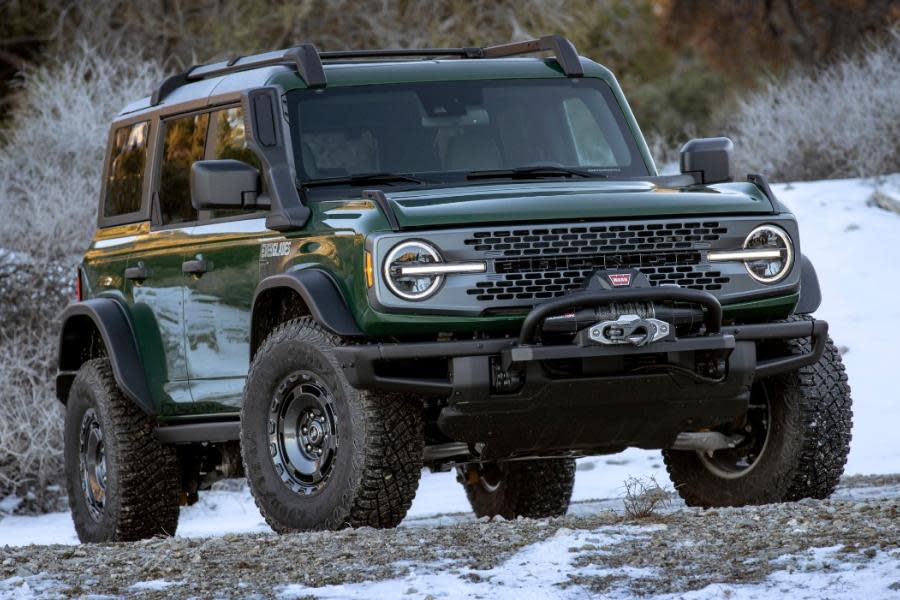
(437, 132)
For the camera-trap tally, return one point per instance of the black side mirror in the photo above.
(708, 160)
(226, 184)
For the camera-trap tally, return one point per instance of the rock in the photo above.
(883, 201)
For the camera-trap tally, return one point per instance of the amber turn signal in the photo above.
(370, 271)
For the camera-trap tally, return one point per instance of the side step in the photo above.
(189, 433)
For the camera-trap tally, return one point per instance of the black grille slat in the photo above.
(600, 238)
(547, 262)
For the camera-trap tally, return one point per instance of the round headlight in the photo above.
(412, 286)
(769, 237)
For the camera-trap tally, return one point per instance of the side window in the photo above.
(230, 142)
(185, 143)
(126, 170)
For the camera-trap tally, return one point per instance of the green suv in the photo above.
(328, 270)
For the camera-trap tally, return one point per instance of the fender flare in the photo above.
(810, 292)
(321, 294)
(111, 320)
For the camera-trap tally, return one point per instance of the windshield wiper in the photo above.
(363, 179)
(535, 171)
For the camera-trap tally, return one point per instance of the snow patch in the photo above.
(154, 585)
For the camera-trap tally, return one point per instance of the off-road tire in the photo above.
(807, 447)
(379, 459)
(143, 486)
(534, 489)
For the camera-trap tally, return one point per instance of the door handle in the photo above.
(198, 266)
(138, 273)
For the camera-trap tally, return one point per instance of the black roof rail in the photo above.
(308, 60)
(562, 49)
(305, 58)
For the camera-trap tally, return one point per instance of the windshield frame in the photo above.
(639, 167)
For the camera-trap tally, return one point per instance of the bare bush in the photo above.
(30, 419)
(643, 496)
(842, 121)
(49, 185)
(50, 167)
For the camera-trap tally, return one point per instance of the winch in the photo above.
(632, 323)
(629, 329)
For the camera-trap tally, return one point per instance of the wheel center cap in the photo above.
(315, 432)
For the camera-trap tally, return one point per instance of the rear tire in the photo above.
(123, 484)
(805, 449)
(318, 453)
(534, 489)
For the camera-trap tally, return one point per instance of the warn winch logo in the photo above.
(620, 279)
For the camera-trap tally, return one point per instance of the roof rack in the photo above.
(308, 60)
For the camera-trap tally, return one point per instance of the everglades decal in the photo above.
(274, 250)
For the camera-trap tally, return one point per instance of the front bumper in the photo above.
(601, 412)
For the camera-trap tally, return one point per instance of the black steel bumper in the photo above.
(586, 414)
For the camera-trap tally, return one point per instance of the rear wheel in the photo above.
(123, 484)
(796, 441)
(318, 453)
(535, 489)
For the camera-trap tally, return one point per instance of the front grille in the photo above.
(542, 263)
(592, 239)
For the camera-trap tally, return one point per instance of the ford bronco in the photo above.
(328, 270)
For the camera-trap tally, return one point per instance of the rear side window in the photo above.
(126, 170)
(185, 143)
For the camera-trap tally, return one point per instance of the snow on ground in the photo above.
(852, 246)
(811, 575)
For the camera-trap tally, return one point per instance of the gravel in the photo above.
(679, 550)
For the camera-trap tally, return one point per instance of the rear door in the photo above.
(218, 297)
(156, 289)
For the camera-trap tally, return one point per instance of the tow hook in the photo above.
(629, 329)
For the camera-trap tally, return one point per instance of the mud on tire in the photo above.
(535, 489)
(371, 444)
(806, 448)
(137, 492)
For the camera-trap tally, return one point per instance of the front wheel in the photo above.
(535, 489)
(796, 440)
(318, 453)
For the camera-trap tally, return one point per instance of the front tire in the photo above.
(807, 419)
(318, 453)
(123, 484)
(535, 489)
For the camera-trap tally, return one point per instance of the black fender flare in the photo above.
(319, 292)
(810, 292)
(110, 319)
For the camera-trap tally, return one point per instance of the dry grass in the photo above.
(840, 121)
(643, 496)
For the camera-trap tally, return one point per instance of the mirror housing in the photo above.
(708, 160)
(225, 184)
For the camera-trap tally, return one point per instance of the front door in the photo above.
(219, 292)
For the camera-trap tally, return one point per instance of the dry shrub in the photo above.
(643, 496)
(49, 186)
(840, 121)
(30, 420)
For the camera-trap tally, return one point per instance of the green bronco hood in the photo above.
(569, 201)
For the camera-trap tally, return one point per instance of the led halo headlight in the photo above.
(412, 253)
(769, 237)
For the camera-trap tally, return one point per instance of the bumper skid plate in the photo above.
(552, 414)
